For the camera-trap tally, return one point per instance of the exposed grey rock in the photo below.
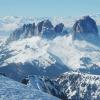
(47, 24)
(27, 30)
(39, 26)
(84, 26)
(44, 29)
(59, 28)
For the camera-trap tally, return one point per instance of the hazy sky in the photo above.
(43, 8)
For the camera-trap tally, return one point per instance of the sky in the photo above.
(49, 8)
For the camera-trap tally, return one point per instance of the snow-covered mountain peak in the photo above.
(29, 49)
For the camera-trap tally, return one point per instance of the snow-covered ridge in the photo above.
(80, 86)
(70, 85)
(12, 90)
(64, 43)
(45, 84)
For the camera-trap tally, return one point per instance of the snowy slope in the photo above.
(65, 48)
(29, 56)
(29, 49)
(12, 90)
(38, 56)
(71, 51)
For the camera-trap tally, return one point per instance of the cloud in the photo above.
(8, 27)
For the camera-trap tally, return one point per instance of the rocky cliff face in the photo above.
(84, 27)
(47, 30)
(27, 30)
(59, 28)
(81, 29)
(44, 29)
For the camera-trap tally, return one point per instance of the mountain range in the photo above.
(53, 56)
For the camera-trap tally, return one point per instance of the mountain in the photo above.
(27, 30)
(43, 55)
(86, 29)
(85, 25)
(45, 84)
(9, 23)
(80, 86)
(77, 54)
(40, 56)
(68, 86)
(29, 56)
(12, 90)
(44, 29)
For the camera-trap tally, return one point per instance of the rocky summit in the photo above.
(59, 28)
(85, 26)
(27, 30)
(44, 29)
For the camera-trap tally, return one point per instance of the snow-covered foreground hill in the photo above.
(12, 90)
